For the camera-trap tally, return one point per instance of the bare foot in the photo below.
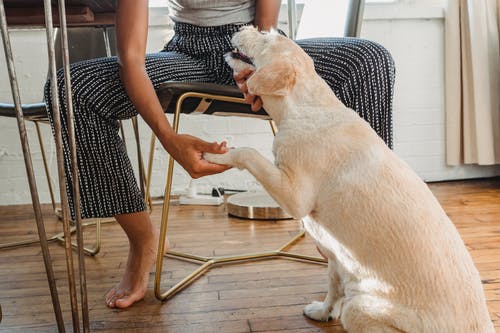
(133, 285)
(134, 282)
(143, 239)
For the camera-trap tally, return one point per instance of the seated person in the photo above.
(107, 90)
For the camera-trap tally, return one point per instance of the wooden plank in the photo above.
(261, 296)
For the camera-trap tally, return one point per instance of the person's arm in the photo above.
(266, 17)
(131, 37)
(266, 14)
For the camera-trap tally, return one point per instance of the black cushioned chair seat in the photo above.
(170, 91)
(36, 110)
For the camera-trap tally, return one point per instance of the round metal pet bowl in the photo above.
(255, 205)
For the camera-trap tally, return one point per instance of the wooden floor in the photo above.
(264, 296)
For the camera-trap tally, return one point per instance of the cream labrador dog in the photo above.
(396, 263)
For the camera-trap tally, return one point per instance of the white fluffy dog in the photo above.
(396, 263)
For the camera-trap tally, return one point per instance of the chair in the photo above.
(218, 100)
(85, 43)
(37, 113)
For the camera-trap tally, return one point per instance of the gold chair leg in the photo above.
(96, 248)
(208, 262)
(57, 211)
(45, 165)
(273, 127)
(142, 173)
(91, 251)
(147, 194)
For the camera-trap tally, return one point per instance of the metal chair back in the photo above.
(354, 18)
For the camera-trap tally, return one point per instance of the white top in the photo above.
(208, 13)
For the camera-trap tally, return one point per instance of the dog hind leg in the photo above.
(370, 314)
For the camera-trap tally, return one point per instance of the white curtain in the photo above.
(473, 82)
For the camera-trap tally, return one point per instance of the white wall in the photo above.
(412, 32)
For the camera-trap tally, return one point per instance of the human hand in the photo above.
(241, 78)
(188, 151)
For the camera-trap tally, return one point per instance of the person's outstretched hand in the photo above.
(241, 78)
(188, 151)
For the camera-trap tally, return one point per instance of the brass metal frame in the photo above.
(91, 251)
(207, 262)
(147, 194)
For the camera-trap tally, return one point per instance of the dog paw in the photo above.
(219, 158)
(318, 311)
(236, 157)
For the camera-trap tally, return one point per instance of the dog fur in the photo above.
(396, 263)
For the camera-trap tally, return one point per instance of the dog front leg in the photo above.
(294, 193)
(331, 307)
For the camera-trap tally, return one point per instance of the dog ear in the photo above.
(275, 79)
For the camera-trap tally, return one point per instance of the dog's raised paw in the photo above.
(218, 158)
(317, 311)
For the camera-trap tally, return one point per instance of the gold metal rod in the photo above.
(302, 257)
(21, 243)
(60, 237)
(45, 164)
(147, 195)
(97, 246)
(292, 241)
(163, 229)
(88, 251)
(164, 216)
(187, 256)
(140, 161)
(274, 128)
(186, 281)
(210, 96)
(244, 257)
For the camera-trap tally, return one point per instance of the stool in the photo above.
(31, 13)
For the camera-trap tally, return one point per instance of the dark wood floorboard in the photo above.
(261, 296)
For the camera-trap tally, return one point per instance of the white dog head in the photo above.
(279, 62)
(284, 73)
